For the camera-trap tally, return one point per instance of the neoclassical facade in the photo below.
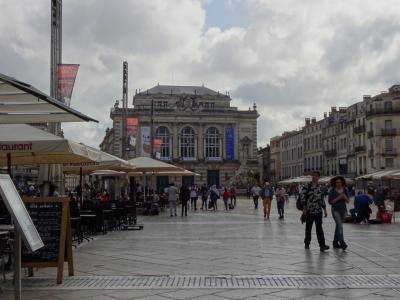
(196, 128)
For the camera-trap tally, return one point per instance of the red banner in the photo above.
(66, 74)
(131, 130)
(157, 147)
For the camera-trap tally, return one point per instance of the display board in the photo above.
(51, 218)
(22, 219)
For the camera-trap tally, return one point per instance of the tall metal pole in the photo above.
(152, 129)
(124, 109)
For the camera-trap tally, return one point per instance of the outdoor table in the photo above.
(89, 220)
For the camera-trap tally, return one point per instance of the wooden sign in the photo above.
(52, 220)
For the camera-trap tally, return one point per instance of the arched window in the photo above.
(162, 133)
(212, 143)
(187, 143)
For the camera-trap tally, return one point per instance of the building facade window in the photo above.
(187, 143)
(212, 144)
(162, 133)
(389, 162)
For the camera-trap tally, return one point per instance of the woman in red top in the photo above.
(105, 197)
(225, 197)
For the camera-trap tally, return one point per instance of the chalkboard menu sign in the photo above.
(47, 220)
(51, 218)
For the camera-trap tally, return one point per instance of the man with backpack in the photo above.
(313, 205)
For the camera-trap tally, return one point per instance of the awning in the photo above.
(377, 175)
(21, 103)
(182, 172)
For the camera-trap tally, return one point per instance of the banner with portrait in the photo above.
(145, 139)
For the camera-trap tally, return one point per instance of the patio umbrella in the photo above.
(150, 165)
(22, 144)
(104, 161)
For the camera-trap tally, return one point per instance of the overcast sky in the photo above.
(295, 59)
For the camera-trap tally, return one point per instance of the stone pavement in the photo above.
(230, 243)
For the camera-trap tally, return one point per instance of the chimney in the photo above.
(307, 121)
(333, 109)
(366, 97)
(313, 120)
(325, 115)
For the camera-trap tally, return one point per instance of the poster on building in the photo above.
(230, 143)
(131, 130)
(157, 148)
(145, 141)
(66, 74)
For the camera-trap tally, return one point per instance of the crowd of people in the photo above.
(209, 197)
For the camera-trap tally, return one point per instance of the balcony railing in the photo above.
(359, 149)
(388, 131)
(331, 153)
(389, 152)
(377, 111)
(359, 129)
(370, 134)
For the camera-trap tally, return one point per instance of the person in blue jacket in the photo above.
(361, 211)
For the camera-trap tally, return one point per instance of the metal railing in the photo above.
(359, 149)
(377, 111)
(359, 129)
(388, 131)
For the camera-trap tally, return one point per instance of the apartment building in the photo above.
(382, 117)
(313, 152)
(275, 160)
(334, 142)
(292, 158)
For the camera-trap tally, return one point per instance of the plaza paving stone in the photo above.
(238, 242)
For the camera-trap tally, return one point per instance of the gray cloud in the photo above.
(293, 58)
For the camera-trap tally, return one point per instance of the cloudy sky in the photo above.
(295, 59)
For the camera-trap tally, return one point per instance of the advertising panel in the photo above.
(131, 130)
(230, 143)
(145, 141)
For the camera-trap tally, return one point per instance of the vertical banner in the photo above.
(131, 130)
(230, 143)
(157, 148)
(66, 74)
(145, 141)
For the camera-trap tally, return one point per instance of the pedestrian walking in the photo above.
(313, 203)
(204, 196)
(280, 200)
(337, 198)
(193, 198)
(232, 192)
(184, 196)
(214, 196)
(225, 197)
(172, 198)
(266, 195)
(255, 191)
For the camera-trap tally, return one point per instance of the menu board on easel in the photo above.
(51, 218)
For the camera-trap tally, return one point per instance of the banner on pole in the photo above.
(157, 147)
(230, 143)
(66, 75)
(131, 130)
(145, 141)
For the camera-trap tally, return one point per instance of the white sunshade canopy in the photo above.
(182, 172)
(29, 145)
(104, 161)
(21, 103)
(150, 165)
(378, 175)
